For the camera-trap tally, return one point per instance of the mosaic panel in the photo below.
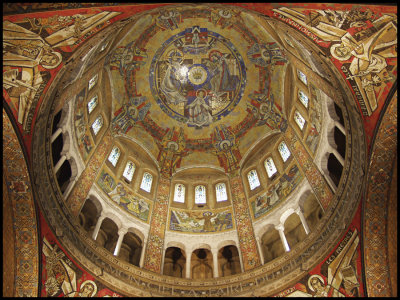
(119, 193)
(80, 190)
(315, 120)
(200, 221)
(277, 192)
(82, 131)
(155, 242)
(62, 276)
(376, 205)
(314, 176)
(25, 225)
(247, 240)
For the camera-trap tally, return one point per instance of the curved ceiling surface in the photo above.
(197, 87)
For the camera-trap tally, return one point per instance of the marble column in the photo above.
(121, 234)
(214, 252)
(281, 230)
(97, 228)
(59, 163)
(260, 250)
(142, 253)
(55, 135)
(188, 263)
(303, 220)
(155, 244)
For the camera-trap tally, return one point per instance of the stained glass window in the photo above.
(114, 156)
(299, 119)
(253, 179)
(92, 104)
(97, 124)
(302, 77)
(284, 151)
(179, 195)
(200, 194)
(146, 182)
(220, 190)
(303, 98)
(93, 81)
(129, 170)
(270, 166)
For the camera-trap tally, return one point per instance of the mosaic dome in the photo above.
(204, 137)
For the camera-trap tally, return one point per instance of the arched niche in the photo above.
(174, 262)
(271, 244)
(312, 209)
(294, 230)
(131, 248)
(89, 214)
(201, 264)
(108, 234)
(228, 261)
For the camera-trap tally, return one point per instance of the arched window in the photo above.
(303, 98)
(146, 182)
(253, 179)
(299, 119)
(220, 190)
(200, 194)
(92, 104)
(129, 170)
(284, 151)
(270, 167)
(114, 156)
(179, 195)
(93, 81)
(302, 77)
(96, 126)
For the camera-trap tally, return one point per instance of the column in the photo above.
(340, 127)
(303, 220)
(121, 234)
(55, 134)
(188, 263)
(260, 249)
(142, 254)
(98, 224)
(281, 229)
(163, 260)
(155, 244)
(214, 252)
(59, 163)
(337, 154)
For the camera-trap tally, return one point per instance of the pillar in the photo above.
(188, 263)
(155, 245)
(303, 220)
(340, 127)
(214, 252)
(55, 135)
(98, 224)
(121, 234)
(59, 163)
(337, 154)
(260, 249)
(142, 254)
(247, 241)
(281, 230)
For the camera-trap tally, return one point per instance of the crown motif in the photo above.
(197, 74)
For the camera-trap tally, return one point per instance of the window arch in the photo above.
(303, 98)
(147, 180)
(253, 179)
(299, 119)
(200, 194)
(93, 81)
(179, 195)
(97, 124)
(114, 156)
(284, 151)
(92, 104)
(129, 170)
(220, 190)
(270, 167)
(302, 77)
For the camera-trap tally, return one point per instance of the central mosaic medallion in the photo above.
(197, 76)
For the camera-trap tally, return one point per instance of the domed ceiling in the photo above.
(200, 88)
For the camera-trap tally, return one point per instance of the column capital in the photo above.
(280, 227)
(122, 231)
